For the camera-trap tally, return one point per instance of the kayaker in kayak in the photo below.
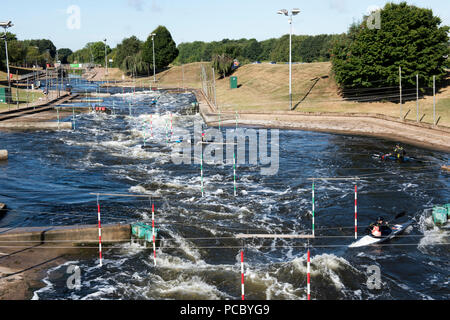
(379, 228)
(398, 152)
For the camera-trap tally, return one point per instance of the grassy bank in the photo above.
(265, 88)
(21, 97)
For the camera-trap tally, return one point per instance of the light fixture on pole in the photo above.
(106, 57)
(294, 12)
(6, 25)
(154, 67)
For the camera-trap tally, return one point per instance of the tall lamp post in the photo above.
(6, 25)
(154, 67)
(293, 12)
(106, 57)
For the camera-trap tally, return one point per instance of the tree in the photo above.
(129, 47)
(44, 45)
(410, 37)
(97, 51)
(16, 52)
(33, 56)
(223, 64)
(165, 48)
(63, 54)
(135, 65)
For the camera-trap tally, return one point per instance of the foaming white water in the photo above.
(432, 234)
(49, 286)
(192, 288)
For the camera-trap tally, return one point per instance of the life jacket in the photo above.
(399, 152)
(376, 231)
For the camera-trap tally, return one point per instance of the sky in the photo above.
(73, 23)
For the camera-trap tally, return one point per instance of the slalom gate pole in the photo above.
(153, 230)
(234, 173)
(151, 125)
(313, 209)
(308, 274)
(356, 212)
(171, 126)
(57, 114)
(99, 232)
(73, 117)
(201, 170)
(242, 275)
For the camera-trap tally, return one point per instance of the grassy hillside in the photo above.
(265, 88)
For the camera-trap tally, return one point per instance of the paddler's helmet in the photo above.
(380, 219)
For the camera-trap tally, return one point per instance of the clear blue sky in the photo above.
(187, 20)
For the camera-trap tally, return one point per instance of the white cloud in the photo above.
(137, 4)
(339, 5)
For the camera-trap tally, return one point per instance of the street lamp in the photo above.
(6, 25)
(106, 62)
(294, 12)
(154, 67)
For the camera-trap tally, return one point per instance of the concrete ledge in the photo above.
(75, 235)
(24, 126)
(3, 155)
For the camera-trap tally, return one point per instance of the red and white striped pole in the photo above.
(99, 232)
(153, 230)
(308, 274)
(242, 275)
(356, 212)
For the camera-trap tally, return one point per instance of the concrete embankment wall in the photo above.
(36, 125)
(75, 235)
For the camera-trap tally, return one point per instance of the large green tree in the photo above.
(63, 54)
(165, 48)
(129, 47)
(409, 37)
(223, 64)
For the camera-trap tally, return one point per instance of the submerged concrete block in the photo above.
(3, 155)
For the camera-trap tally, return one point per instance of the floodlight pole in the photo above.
(154, 66)
(7, 60)
(290, 63)
(290, 15)
(106, 57)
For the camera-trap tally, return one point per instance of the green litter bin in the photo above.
(440, 215)
(447, 206)
(5, 95)
(233, 82)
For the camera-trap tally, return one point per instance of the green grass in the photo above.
(22, 96)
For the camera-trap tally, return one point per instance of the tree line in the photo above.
(304, 49)
(29, 53)
(132, 55)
